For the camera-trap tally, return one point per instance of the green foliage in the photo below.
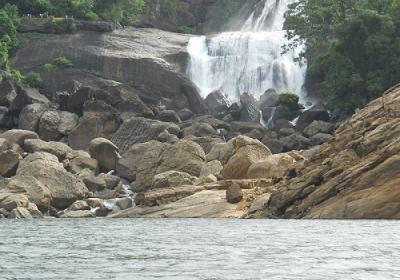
(18, 77)
(61, 25)
(288, 100)
(62, 62)
(32, 79)
(353, 48)
(124, 11)
(185, 30)
(49, 67)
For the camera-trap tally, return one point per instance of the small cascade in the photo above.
(249, 60)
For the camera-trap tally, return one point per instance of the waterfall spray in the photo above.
(249, 60)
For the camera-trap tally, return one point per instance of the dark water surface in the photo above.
(199, 249)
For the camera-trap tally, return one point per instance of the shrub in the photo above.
(61, 25)
(288, 100)
(91, 16)
(62, 62)
(49, 67)
(185, 30)
(18, 77)
(32, 79)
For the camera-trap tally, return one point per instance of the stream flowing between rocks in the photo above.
(198, 249)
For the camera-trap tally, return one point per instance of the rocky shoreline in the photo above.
(133, 138)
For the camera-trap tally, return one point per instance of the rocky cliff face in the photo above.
(151, 61)
(356, 176)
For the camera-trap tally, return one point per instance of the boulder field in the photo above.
(124, 133)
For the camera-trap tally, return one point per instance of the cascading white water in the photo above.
(249, 60)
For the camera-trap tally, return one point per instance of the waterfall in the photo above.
(249, 60)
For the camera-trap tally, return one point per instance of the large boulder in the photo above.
(55, 124)
(172, 179)
(9, 161)
(295, 141)
(315, 113)
(248, 109)
(65, 188)
(105, 152)
(274, 166)
(30, 116)
(60, 150)
(143, 161)
(318, 127)
(199, 129)
(8, 90)
(99, 120)
(239, 154)
(18, 136)
(234, 194)
(217, 102)
(34, 190)
(26, 96)
(169, 116)
(139, 130)
(269, 98)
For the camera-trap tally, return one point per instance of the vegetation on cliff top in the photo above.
(353, 48)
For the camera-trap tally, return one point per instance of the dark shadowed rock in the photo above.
(26, 96)
(234, 194)
(99, 121)
(295, 142)
(9, 161)
(185, 114)
(217, 102)
(169, 116)
(249, 110)
(30, 116)
(318, 127)
(316, 113)
(269, 98)
(199, 130)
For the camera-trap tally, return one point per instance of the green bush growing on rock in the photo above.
(185, 30)
(62, 62)
(61, 25)
(49, 67)
(288, 100)
(32, 79)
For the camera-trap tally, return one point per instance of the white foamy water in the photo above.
(249, 60)
(198, 249)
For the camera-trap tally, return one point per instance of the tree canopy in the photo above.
(353, 48)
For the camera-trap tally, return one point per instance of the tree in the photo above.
(119, 10)
(352, 48)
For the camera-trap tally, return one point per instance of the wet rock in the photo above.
(269, 98)
(105, 152)
(314, 114)
(124, 203)
(217, 102)
(249, 110)
(172, 179)
(234, 194)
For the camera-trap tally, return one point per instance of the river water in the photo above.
(198, 249)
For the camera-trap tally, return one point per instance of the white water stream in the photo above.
(249, 60)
